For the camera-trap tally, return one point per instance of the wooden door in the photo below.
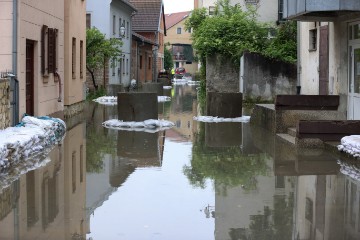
(29, 88)
(324, 61)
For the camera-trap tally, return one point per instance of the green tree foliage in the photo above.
(231, 31)
(283, 46)
(227, 166)
(168, 60)
(99, 50)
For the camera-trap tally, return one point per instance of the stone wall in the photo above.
(4, 103)
(264, 78)
(74, 109)
(221, 74)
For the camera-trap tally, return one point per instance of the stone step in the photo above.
(292, 131)
(287, 138)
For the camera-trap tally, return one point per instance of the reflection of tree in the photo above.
(99, 141)
(228, 166)
(98, 144)
(274, 224)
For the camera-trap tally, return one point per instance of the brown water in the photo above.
(197, 181)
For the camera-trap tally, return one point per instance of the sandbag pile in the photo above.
(351, 170)
(151, 125)
(211, 119)
(28, 139)
(112, 100)
(350, 145)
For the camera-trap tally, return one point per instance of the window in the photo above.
(88, 20)
(48, 50)
(113, 64)
(211, 10)
(189, 30)
(81, 58)
(281, 11)
(127, 29)
(178, 30)
(127, 66)
(114, 24)
(312, 39)
(149, 63)
(123, 65)
(120, 27)
(140, 62)
(73, 58)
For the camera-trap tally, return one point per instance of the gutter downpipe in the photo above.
(298, 83)
(14, 83)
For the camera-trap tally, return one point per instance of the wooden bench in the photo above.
(307, 102)
(327, 130)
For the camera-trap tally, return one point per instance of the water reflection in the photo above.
(46, 203)
(221, 181)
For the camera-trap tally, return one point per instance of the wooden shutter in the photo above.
(43, 49)
(51, 36)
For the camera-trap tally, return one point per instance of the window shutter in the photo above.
(43, 48)
(51, 36)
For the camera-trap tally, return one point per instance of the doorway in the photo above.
(354, 87)
(29, 88)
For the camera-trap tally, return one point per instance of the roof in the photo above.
(148, 13)
(131, 6)
(142, 38)
(174, 18)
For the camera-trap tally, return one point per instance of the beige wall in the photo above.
(5, 35)
(75, 12)
(33, 14)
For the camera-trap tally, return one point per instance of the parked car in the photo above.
(180, 71)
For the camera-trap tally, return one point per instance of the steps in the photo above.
(291, 138)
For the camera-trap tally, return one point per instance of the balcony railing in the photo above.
(319, 10)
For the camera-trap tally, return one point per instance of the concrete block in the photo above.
(224, 104)
(137, 106)
(157, 88)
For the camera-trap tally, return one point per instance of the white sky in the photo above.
(174, 6)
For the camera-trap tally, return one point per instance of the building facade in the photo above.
(329, 51)
(149, 24)
(180, 41)
(35, 50)
(114, 19)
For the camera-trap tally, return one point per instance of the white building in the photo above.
(113, 18)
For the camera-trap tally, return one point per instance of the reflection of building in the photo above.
(183, 109)
(47, 203)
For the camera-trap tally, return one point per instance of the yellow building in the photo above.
(180, 41)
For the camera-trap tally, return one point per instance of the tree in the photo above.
(168, 60)
(99, 50)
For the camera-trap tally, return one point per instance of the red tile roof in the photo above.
(147, 17)
(174, 18)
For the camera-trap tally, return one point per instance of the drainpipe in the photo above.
(14, 84)
(298, 84)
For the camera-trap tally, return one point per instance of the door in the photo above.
(29, 88)
(324, 61)
(354, 90)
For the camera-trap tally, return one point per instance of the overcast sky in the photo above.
(173, 6)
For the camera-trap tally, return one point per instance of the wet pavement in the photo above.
(201, 181)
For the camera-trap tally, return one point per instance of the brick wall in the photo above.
(4, 104)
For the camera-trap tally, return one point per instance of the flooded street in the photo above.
(201, 181)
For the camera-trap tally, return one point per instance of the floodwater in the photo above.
(196, 181)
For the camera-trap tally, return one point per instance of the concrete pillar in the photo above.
(141, 146)
(137, 106)
(113, 89)
(224, 104)
(157, 88)
(224, 134)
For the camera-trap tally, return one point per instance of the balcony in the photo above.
(320, 10)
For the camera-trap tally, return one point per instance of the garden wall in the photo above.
(263, 78)
(4, 103)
